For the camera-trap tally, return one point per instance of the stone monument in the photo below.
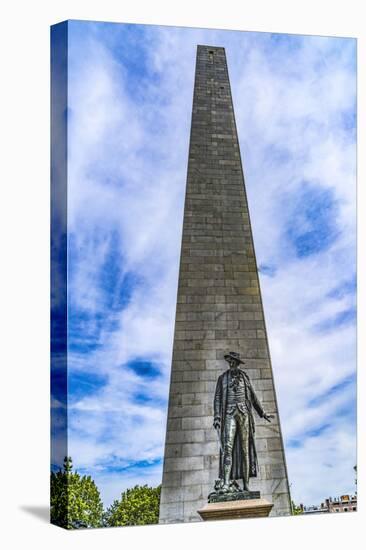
(212, 438)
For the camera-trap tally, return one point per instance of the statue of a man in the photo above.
(233, 419)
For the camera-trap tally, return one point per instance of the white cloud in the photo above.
(323, 467)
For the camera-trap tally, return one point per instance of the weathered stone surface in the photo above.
(219, 308)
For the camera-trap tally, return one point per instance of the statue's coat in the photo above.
(237, 470)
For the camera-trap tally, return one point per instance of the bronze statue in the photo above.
(233, 419)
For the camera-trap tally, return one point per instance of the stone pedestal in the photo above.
(236, 509)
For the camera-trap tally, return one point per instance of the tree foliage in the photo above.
(75, 499)
(296, 510)
(137, 506)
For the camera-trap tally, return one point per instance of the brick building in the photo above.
(344, 503)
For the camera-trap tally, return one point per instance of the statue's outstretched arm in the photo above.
(256, 403)
(258, 407)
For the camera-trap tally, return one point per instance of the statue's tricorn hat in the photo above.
(233, 355)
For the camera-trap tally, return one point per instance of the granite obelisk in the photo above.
(219, 308)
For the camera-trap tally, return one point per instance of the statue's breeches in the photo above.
(237, 424)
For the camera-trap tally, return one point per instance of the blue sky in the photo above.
(130, 100)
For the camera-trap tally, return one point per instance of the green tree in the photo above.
(137, 506)
(296, 510)
(75, 499)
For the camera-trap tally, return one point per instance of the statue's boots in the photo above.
(226, 485)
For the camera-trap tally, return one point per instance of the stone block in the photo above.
(195, 477)
(192, 492)
(172, 450)
(183, 464)
(196, 423)
(172, 479)
(185, 436)
(270, 457)
(200, 449)
(171, 512)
